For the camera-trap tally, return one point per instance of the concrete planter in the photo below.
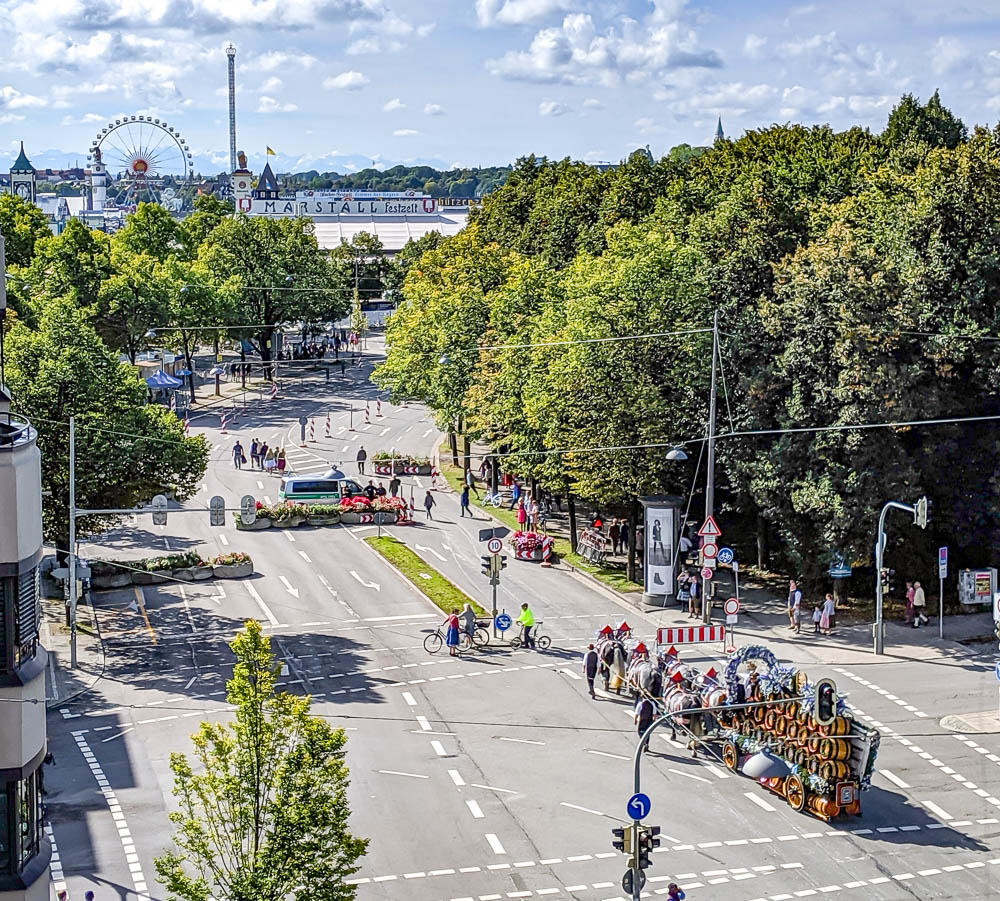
(261, 522)
(185, 573)
(323, 519)
(402, 467)
(112, 580)
(233, 571)
(385, 516)
(293, 522)
(352, 519)
(202, 572)
(143, 578)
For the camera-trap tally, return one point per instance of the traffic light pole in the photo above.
(72, 542)
(879, 628)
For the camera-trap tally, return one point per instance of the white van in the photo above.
(317, 489)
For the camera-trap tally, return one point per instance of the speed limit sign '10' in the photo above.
(494, 545)
(731, 607)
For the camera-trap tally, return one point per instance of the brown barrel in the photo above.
(823, 806)
(792, 730)
(769, 719)
(792, 710)
(812, 762)
(840, 726)
(780, 725)
(831, 770)
(835, 749)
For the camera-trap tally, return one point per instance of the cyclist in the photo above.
(468, 618)
(527, 619)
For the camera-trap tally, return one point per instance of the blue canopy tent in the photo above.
(162, 379)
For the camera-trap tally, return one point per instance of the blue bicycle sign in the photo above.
(504, 622)
(726, 556)
(638, 806)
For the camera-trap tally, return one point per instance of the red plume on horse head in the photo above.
(677, 677)
(607, 630)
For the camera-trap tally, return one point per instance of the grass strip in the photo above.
(443, 592)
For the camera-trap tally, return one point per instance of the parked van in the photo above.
(316, 490)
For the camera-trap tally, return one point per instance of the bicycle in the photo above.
(495, 500)
(542, 642)
(481, 634)
(436, 639)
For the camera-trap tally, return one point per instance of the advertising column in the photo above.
(661, 530)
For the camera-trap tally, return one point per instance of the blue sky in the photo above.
(335, 84)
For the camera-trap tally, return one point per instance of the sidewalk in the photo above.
(63, 683)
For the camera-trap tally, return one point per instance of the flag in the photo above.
(270, 152)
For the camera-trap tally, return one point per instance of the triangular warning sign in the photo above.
(710, 529)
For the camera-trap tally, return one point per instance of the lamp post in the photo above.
(706, 600)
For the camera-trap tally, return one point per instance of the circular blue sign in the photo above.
(725, 555)
(998, 670)
(638, 806)
(504, 622)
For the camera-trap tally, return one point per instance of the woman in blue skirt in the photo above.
(451, 636)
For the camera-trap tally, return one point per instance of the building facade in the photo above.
(23, 178)
(24, 850)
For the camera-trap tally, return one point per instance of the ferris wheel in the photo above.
(146, 159)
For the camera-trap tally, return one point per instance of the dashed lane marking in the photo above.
(305, 556)
(55, 862)
(475, 810)
(521, 741)
(398, 773)
(494, 843)
(760, 802)
(271, 618)
(608, 754)
(410, 700)
(893, 778)
(493, 788)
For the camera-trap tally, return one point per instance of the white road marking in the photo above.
(288, 535)
(456, 777)
(271, 618)
(439, 749)
(689, 775)
(222, 538)
(424, 725)
(190, 682)
(584, 809)
(412, 701)
(382, 619)
(493, 788)
(937, 811)
(475, 810)
(374, 585)
(260, 485)
(305, 556)
(715, 771)
(385, 431)
(268, 501)
(346, 447)
(397, 773)
(494, 843)
(117, 734)
(607, 754)
(294, 592)
(522, 741)
(894, 779)
(431, 550)
(425, 434)
(187, 607)
(571, 674)
(760, 802)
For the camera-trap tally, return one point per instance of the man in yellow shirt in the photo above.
(527, 619)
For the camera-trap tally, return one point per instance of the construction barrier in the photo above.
(691, 635)
(328, 435)
(547, 543)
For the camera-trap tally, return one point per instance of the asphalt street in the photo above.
(492, 775)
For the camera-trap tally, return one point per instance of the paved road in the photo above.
(490, 776)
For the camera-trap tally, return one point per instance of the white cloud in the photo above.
(753, 46)
(948, 55)
(351, 80)
(517, 12)
(12, 98)
(433, 109)
(592, 103)
(270, 105)
(8, 118)
(272, 86)
(648, 126)
(405, 133)
(276, 59)
(392, 105)
(577, 52)
(552, 108)
(372, 45)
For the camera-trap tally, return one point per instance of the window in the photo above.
(20, 614)
(329, 487)
(20, 823)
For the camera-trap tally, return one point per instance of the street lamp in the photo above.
(677, 453)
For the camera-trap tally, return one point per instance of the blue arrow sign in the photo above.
(504, 622)
(997, 670)
(725, 555)
(638, 806)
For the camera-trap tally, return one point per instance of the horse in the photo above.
(611, 654)
(645, 677)
(678, 698)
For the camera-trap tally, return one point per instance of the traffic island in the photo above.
(189, 567)
(442, 592)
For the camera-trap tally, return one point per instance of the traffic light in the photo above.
(825, 702)
(920, 513)
(888, 577)
(648, 840)
(503, 561)
(487, 564)
(622, 839)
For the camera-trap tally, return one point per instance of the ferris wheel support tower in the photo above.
(231, 54)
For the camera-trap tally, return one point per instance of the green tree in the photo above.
(208, 212)
(399, 267)
(263, 806)
(77, 261)
(127, 449)
(930, 123)
(133, 300)
(22, 225)
(151, 231)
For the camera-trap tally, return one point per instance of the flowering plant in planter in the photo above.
(359, 504)
(527, 541)
(388, 504)
(231, 559)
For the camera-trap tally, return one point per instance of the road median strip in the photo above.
(442, 592)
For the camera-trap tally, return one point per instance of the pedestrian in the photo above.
(919, 605)
(428, 503)
(254, 454)
(531, 509)
(624, 535)
(515, 493)
(694, 590)
(527, 619)
(644, 712)
(362, 456)
(280, 460)
(470, 482)
(238, 458)
(394, 486)
(370, 491)
(465, 502)
(62, 896)
(794, 602)
(674, 893)
(522, 516)
(451, 635)
(615, 534)
(590, 661)
(817, 616)
(684, 546)
(269, 462)
(909, 602)
(88, 896)
(468, 618)
(380, 491)
(829, 614)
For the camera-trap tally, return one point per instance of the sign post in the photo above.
(711, 533)
(942, 575)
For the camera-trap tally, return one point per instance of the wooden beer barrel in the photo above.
(832, 770)
(840, 726)
(835, 749)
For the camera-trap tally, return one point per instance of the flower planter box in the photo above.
(233, 571)
(293, 522)
(202, 572)
(402, 467)
(354, 519)
(185, 573)
(323, 519)
(144, 578)
(112, 580)
(528, 555)
(385, 516)
(261, 522)
(384, 469)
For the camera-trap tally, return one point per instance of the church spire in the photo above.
(720, 135)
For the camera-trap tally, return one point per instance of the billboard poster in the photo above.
(660, 540)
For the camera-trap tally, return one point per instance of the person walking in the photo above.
(429, 502)
(465, 502)
(919, 605)
(369, 490)
(269, 462)
(361, 457)
(817, 618)
(590, 662)
(254, 454)
(615, 534)
(527, 619)
(468, 618)
(380, 491)
(394, 486)
(280, 460)
(470, 482)
(909, 603)
(794, 604)
(674, 893)
(829, 612)
(645, 709)
(624, 536)
(451, 624)
(515, 493)
(694, 601)
(238, 458)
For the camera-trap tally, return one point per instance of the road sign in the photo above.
(248, 509)
(997, 670)
(217, 510)
(726, 555)
(495, 532)
(736, 566)
(731, 607)
(303, 420)
(638, 806)
(710, 550)
(942, 563)
(159, 510)
(732, 619)
(710, 528)
(628, 881)
(710, 562)
(504, 622)
(707, 573)
(494, 545)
